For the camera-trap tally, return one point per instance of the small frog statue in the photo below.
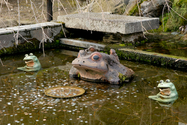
(32, 63)
(167, 94)
(92, 65)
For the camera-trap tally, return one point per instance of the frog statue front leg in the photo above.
(113, 77)
(73, 73)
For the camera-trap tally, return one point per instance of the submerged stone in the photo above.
(100, 67)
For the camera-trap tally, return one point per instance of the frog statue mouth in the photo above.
(29, 63)
(165, 91)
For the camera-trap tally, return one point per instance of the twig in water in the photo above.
(64, 31)
(1, 62)
(45, 37)
(2, 47)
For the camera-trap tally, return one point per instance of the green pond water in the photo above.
(165, 48)
(165, 43)
(23, 102)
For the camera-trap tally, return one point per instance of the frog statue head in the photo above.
(32, 63)
(94, 66)
(167, 94)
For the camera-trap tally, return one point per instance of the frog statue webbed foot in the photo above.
(100, 67)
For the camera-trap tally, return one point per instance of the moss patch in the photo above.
(122, 77)
(176, 17)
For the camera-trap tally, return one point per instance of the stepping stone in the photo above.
(110, 23)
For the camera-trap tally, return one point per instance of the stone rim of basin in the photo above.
(64, 91)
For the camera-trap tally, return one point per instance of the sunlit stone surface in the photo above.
(111, 23)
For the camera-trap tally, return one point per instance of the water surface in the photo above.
(22, 98)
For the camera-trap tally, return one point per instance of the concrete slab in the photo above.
(33, 31)
(111, 23)
(83, 44)
(28, 27)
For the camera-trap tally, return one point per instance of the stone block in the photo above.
(164, 60)
(83, 44)
(110, 23)
(9, 35)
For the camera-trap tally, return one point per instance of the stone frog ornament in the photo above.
(32, 63)
(167, 94)
(100, 67)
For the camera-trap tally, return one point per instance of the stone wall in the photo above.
(12, 38)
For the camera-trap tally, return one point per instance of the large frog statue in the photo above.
(100, 67)
(32, 63)
(167, 94)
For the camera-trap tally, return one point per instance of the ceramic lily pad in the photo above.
(64, 91)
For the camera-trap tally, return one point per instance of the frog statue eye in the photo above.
(96, 57)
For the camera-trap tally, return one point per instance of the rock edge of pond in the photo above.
(152, 58)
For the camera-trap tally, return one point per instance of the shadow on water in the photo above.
(22, 99)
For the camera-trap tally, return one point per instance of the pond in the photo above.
(166, 43)
(23, 102)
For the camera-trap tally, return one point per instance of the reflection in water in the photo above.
(167, 105)
(22, 98)
(31, 74)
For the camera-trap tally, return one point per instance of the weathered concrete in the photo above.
(170, 61)
(125, 38)
(82, 44)
(8, 36)
(110, 23)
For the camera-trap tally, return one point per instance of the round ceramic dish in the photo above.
(64, 91)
